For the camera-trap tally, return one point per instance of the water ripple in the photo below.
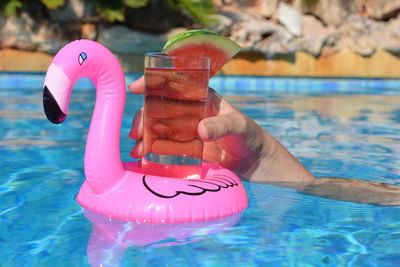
(354, 136)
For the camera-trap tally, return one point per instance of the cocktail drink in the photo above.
(176, 90)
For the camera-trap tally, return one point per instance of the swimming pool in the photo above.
(344, 128)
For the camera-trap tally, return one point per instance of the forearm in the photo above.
(278, 166)
(354, 191)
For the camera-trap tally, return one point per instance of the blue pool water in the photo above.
(343, 128)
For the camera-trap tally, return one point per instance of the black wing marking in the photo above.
(220, 181)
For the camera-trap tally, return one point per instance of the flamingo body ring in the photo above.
(122, 190)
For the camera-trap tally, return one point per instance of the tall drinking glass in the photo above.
(176, 90)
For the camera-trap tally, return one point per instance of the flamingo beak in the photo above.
(56, 93)
(51, 108)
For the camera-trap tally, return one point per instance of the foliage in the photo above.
(200, 10)
(310, 3)
(10, 7)
(53, 4)
(110, 10)
(135, 3)
(114, 10)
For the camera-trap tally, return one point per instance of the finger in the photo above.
(181, 129)
(137, 87)
(192, 148)
(169, 108)
(137, 150)
(216, 104)
(233, 123)
(136, 131)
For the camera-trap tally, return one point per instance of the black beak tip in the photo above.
(51, 108)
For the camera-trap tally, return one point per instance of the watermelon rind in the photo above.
(201, 36)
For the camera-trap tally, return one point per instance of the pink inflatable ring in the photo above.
(122, 190)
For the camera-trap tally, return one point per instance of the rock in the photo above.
(24, 33)
(51, 37)
(356, 34)
(268, 26)
(222, 3)
(72, 10)
(315, 35)
(223, 24)
(354, 25)
(261, 35)
(254, 8)
(389, 38)
(249, 32)
(362, 45)
(52, 46)
(88, 31)
(122, 40)
(332, 12)
(394, 27)
(360, 23)
(17, 33)
(268, 8)
(290, 18)
(236, 16)
(379, 10)
(279, 43)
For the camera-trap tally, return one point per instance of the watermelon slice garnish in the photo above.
(203, 43)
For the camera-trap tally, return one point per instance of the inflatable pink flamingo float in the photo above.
(121, 190)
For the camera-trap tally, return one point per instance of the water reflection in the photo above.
(346, 108)
(110, 238)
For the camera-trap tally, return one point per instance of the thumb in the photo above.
(213, 128)
(137, 87)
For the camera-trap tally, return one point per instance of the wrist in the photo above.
(277, 165)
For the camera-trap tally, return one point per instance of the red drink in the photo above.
(175, 102)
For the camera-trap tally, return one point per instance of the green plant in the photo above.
(135, 3)
(115, 10)
(10, 7)
(200, 10)
(53, 4)
(310, 3)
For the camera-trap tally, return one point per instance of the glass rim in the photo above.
(166, 56)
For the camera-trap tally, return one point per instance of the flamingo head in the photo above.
(67, 66)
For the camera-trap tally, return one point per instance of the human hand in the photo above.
(234, 141)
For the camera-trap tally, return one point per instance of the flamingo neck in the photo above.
(103, 166)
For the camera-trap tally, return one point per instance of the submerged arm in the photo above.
(280, 168)
(355, 191)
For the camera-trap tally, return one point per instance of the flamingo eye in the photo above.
(82, 57)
